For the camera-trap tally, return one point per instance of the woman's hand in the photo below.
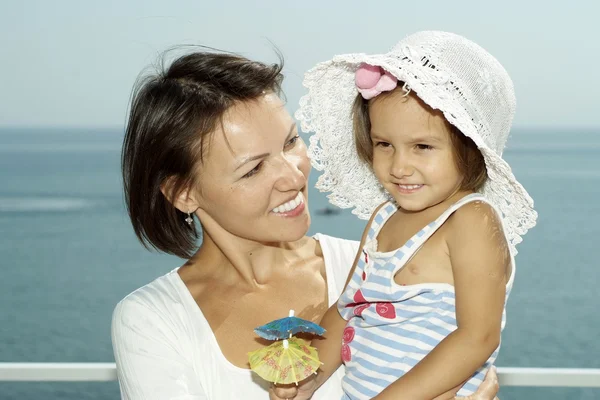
(303, 391)
(488, 388)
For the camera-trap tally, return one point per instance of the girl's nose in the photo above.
(401, 167)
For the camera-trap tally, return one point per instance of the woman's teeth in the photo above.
(290, 205)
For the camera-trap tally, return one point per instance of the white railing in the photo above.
(65, 372)
(72, 372)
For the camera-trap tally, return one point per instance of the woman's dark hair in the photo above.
(172, 114)
(467, 157)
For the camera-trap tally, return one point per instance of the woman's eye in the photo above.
(253, 170)
(292, 141)
(382, 144)
(423, 147)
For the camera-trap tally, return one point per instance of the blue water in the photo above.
(67, 255)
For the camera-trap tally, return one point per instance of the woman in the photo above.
(210, 138)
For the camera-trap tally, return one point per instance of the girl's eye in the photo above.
(423, 147)
(382, 144)
(292, 141)
(253, 171)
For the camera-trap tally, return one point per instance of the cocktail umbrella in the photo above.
(285, 327)
(285, 361)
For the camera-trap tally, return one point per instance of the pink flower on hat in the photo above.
(372, 80)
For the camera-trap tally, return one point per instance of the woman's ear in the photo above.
(181, 197)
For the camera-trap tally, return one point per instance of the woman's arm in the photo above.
(480, 258)
(486, 391)
(150, 364)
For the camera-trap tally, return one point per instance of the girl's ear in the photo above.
(182, 198)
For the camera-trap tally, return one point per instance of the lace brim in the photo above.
(326, 112)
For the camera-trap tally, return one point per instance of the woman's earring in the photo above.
(189, 219)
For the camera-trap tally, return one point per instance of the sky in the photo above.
(72, 63)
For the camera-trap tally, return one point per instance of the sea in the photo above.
(68, 255)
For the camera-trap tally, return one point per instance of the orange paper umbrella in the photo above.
(285, 361)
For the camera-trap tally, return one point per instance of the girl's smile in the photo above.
(413, 155)
(409, 189)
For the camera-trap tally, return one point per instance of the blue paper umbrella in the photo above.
(285, 327)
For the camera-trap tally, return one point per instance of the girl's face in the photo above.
(253, 180)
(413, 156)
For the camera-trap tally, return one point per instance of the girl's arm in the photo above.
(480, 260)
(329, 347)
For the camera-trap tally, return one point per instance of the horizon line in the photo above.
(121, 127)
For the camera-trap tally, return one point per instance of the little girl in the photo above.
(424, 306)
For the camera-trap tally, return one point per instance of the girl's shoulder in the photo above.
(477, 224)
(473, 213)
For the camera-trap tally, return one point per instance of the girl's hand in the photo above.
(303, 391)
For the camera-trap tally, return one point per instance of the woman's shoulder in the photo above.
(337, 244)
(153, 301)
(159, 289)
(338, 253)
(153, 340)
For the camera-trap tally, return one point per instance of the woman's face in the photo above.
(253, 179)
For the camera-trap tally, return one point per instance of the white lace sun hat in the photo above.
(449, 73)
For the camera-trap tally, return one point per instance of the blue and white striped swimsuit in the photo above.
(392, 327)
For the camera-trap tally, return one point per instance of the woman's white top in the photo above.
(164, 347)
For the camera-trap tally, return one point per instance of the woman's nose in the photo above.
(291, 176)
